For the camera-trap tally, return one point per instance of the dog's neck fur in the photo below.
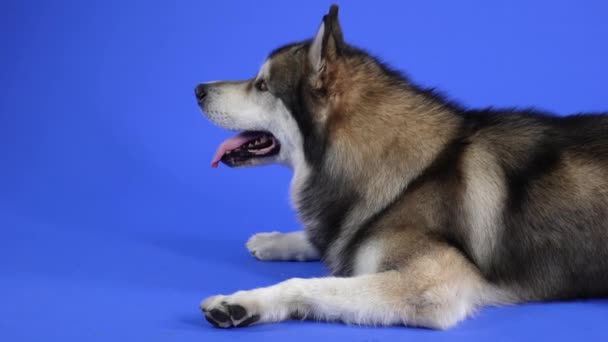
(353, 191)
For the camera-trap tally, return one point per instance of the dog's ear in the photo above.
(328, 43)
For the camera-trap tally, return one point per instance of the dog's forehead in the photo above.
(288, 49)
(283, 61)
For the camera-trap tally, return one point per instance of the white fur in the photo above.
(368, 257)
(282, 246)
(231, 106)
(347, 299)
(387, 298)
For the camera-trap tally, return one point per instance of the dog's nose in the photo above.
(200, 91)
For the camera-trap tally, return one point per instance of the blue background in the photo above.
(113, 226)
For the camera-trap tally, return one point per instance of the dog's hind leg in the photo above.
(436, 291)
(277, 246)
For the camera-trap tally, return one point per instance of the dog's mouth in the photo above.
(246, 148)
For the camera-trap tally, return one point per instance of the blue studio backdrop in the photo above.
(113, 225)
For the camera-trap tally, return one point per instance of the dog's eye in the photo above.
(261, 85)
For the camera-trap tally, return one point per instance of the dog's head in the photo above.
(303, 94)
(282, 108)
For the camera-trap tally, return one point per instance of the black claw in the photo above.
(236, 311)
(296, 315)
(248, 321)
(212, 321)
(219, 315)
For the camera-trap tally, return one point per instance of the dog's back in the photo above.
(553, 240)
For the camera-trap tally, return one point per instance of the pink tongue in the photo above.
(231, 144)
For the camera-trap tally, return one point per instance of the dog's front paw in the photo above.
(267, 246)
(229, 312)
(282, 247)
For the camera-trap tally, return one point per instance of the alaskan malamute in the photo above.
(422, 210)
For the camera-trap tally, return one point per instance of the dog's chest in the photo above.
(330, 209)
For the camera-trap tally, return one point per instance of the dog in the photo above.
(423, 211)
